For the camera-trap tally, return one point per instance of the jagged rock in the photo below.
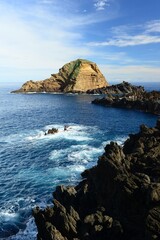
(52, 131)
(76, 76)
(137, 99)
(118, 89)
(119, 198)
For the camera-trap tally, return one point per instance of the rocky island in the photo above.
(137, 99)
(119, 198)
(77, 76)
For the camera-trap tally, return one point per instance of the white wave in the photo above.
(58, 154)
(29, 233)
(84, 153)
(31, 92)
(76, 153)
(9, 211)
(55, 93)
(7, 215)
(40, 135)
(78, 133)
(67, 172)
(13, 138)
(118, 140)
(76, 168)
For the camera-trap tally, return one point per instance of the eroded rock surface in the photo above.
(118, 89)
(138, 99)
(77, 76)
(119, 198)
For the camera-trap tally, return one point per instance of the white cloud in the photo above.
(131, 73)
(101, 4)
(153, 26)
(117, 57)
(36, 42)
(124, 36)
(128, 40)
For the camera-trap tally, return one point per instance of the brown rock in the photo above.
(76, 76)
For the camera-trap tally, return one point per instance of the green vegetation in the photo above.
(74, 68)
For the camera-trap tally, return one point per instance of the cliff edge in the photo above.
(76, 76)
(119, 198)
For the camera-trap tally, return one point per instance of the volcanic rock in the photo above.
(119, 198)
(52, 131)
(76, 76)
(137, 99)
(118, 89)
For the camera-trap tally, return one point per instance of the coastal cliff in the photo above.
(76, 76)
(119, 198)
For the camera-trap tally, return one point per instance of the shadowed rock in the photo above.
(119, 198)
(138, 100)
(52, 131)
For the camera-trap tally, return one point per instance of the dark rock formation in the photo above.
(118, 89)
(119, 198)
(52, 131)
(76, 76)
(139, 100)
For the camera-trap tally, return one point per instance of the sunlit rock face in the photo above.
(76, 76)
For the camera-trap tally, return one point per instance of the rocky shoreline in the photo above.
(118, 89)
(137, 99)
(119, 198)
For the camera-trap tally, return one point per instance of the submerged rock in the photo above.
(119, 198)
(76, 77)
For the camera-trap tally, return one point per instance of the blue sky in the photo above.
(37, 37)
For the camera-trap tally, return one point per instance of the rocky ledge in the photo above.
(119, 198)
(139, 100)
(76, 77)
(118, 89)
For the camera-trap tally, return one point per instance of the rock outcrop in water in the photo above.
(77, 76)
(119, 198)
(118, 89)
(139, 100)
(51, 131)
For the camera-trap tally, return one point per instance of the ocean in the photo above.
(32, 164)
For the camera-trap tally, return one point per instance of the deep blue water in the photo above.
(32, 164)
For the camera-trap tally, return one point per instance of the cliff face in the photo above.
(76, 76)
(119, 198)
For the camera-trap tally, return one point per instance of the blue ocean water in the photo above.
(32, 164)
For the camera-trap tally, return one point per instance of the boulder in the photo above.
(52, 131)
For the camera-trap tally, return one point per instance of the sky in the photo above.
(37, 37)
